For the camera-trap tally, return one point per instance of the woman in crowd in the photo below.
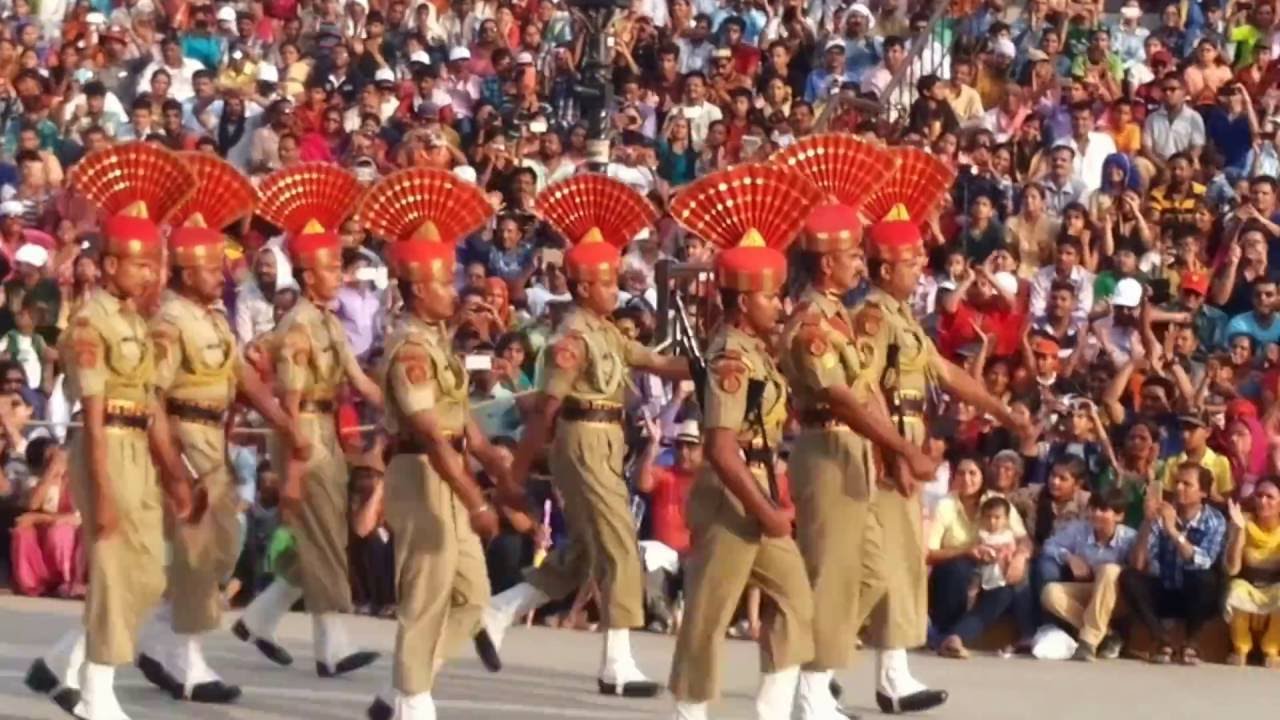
(1032, 231)
(1134, 468)
(46, 553)
(960, 610)
(1252, 560)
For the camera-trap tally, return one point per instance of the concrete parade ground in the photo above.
(551, 674)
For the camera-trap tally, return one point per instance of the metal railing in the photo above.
(691, 281)
(927, 56)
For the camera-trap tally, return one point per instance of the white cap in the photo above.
(1005, 47)
(11, 208)
(268, 73)
(833, 45)
(384, 74)
(95, 18)
(144, 7)
(420, 56)
(1128, 293)
(524, 58)
(226, 14)
(33, 255)
(1006, 282)
(459, 53)
(465, 172)
(865, 12)
(1131, 12)
(689, 432)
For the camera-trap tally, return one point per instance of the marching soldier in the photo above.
(895, 596)
(199, 373)
(833, 460)
(109, 362)
(581, 390)
(740, 532)
(311, 358)
(436, 512)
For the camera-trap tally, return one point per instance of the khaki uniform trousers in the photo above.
(586, 466)
(729, 553)
(318, 563)
(830, 486)
(894, 596)
(204, 554)
(126, 569)
(1088, 606)
(441, 578)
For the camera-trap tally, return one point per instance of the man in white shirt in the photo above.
(1066, 268)
(1091, 147)
(180, 69)
(464, 88)
(695, 50)
(696, 109)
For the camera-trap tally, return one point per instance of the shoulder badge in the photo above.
(296, 344)
(728, 369)
(415, 361)
(812, 340)
(869, 320)
(86, 344)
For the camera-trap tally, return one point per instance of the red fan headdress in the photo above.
(222, 196)
(309, 201)
(136, 185)
(899, 205)
(846, 169)
(752, 213)
(426, 212)
(599, 216)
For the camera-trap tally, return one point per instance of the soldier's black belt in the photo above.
(192, 412)
(576, 412)
(132, 422)
(910, 407)
(758, 456)
(319, 407)
(409, 445)
(819, 419)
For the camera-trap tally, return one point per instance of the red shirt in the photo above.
(1003, 326)
(667, 502)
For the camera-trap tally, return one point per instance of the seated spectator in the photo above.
(668, 490)
(1260, 323)
(957, 554)
(1084, 559)
(45, 553)
(1171, 573)
(1196, 450)
(1253, 563)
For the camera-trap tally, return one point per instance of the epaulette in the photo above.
(868, 319)
(568, 352)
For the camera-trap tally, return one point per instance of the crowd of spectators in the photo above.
(1106, 261)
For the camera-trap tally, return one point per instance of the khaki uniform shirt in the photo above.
(887, 320)
(589, 359)
(311, 352)
(108, 353)
(420, 373)
(196, 357)
(821, 350)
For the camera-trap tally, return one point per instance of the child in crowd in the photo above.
(994, 533)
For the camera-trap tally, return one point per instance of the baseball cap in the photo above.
(1196, 282)
(1006, 282)
(1128, 293)
(115, 32)
(1195, 419)
(1131, 12)
(226, 14)
(384, 75)
(1004, 47)
(865, 12)
(1161, 57)
(419, 56)
(722, 53)
(835, 45)
(465, 172)
(95, 18)
(458, 53)
(524, 58)
(32, 254)
(688, 433)
(11, 208)
(268, 73)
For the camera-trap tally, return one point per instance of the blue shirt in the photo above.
(206, 49)
(821, 82)
(1205, 532)
(1233, 138)
(860, 56)
(1247, 324)
(1077, 538)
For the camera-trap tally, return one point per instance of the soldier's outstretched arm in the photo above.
(959, 383)
(259, 396)
(367, 388)
(667, 367)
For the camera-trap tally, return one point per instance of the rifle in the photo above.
(755, 415)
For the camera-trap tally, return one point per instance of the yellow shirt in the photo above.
(952, 528)
(1216, 464)
(1261, 548)
(1128, 139)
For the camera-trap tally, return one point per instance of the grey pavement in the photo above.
(550, 674)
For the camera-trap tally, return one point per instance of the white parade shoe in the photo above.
(619, 674)
(334, 653)
(97, 694)
(777, 694)
(57, 674)
(259, 622)
(897, 691)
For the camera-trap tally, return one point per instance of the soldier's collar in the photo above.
(828, 301)
(889, 302)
